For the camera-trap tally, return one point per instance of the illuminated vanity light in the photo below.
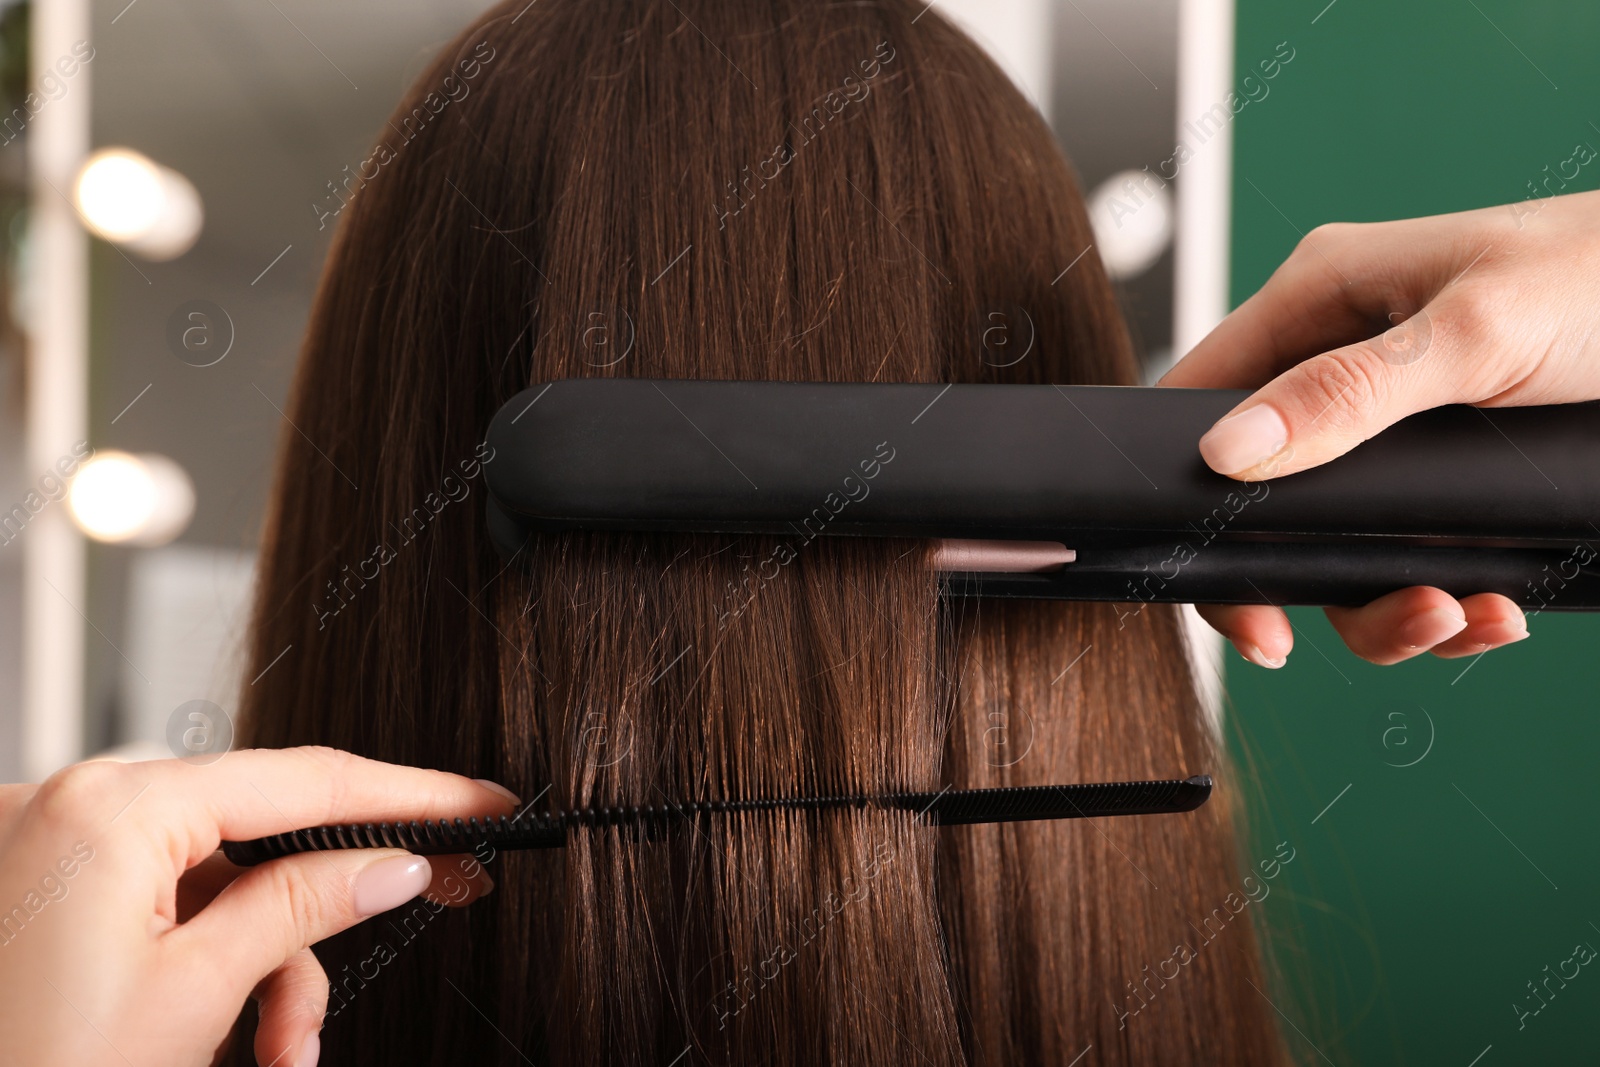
(1132, 216)
(135, 202)
(126, 499)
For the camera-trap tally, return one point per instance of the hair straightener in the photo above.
(1100, 489)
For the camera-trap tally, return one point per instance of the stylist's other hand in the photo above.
(125, 938)
(1367, 323)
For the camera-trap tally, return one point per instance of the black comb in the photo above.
(948, 807)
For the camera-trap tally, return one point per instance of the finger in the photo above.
(1343, 282)
(293, 1000)
(1260, 633)
(273, 911)
(1273, 328)
(458, 881)
(257, 792)
(1401, 625)
(1492, 621)
(13, 798)
(1323, 407)
(269, 791)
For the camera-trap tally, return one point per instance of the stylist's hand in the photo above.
(126, 940)
(1368, 323)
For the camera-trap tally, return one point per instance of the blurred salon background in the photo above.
(171, 173)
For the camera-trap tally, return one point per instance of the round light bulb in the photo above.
(128, 199)
(122, 498)
(120, 194)
(1131, 213)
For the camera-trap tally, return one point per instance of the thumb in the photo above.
(271, 912)
(1322, 408)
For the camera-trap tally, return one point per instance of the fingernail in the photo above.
(1430, 628)
(1260, 658)
(476, 873)
(309, 1052)
(1507, 633)
(496, 787)
(1248, 439)
(390, 883)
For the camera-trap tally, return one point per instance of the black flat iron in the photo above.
(1470, 500)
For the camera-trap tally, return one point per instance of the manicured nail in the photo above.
(1260, 658)
(390, 883)
(1430, 628)
(309, 1052)
(1248, 439)
(496, 787)
(1507, 633)
(475, 874)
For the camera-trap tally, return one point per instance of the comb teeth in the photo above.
(1022, 803)
(425, 838)
(549, 829)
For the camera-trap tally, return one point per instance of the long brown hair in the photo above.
(729, 189)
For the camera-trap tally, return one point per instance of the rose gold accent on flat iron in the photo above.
(1006, 557)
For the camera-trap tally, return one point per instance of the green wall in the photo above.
(1421, 903)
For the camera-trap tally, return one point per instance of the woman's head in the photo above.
(728, 189)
